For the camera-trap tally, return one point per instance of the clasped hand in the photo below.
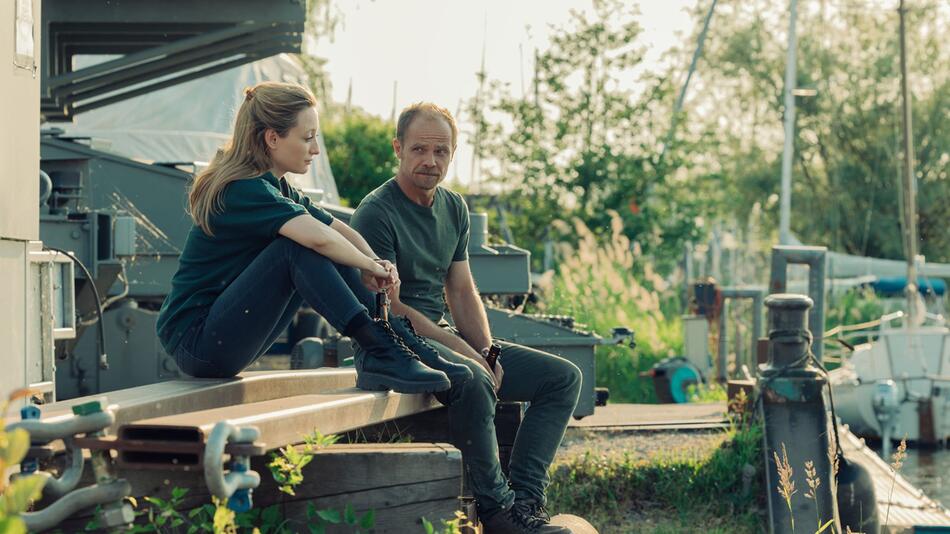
(383, 276)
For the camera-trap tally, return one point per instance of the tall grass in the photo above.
(603, 282)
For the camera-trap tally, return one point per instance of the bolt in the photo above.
(241, 501)
(29, 465)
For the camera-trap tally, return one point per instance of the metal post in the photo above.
(910, 183)
(785, 201)
(814, 258)
(797, 437)
(733, 293)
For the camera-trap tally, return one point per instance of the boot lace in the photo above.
(412, 332)
(521, 514)
(392, 336)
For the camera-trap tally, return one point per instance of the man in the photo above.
(424, 229)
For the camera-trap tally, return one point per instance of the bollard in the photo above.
(797, 436)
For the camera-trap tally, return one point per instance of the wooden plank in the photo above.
(287, 420)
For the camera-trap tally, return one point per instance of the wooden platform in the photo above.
(645, 417)
(908, 505)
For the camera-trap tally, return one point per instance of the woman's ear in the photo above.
(270, 138)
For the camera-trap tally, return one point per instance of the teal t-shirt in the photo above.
(254, 210)
(422, 241)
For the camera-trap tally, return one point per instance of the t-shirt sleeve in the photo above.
(254, 208)
(372, 222)
(318, 213)
(461, 249)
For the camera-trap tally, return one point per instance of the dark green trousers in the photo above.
(549, 383)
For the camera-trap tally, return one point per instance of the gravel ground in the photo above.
(644, 445)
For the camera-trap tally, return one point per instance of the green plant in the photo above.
(602, 282)
(359, 147)
(320, 519)
(709, 489)
(452, 526)
(706, 393)
(286, 465)
(18, 495)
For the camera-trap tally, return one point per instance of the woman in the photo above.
(258, 249)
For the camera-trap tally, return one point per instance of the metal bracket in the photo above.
(236, 485)
(95, 495)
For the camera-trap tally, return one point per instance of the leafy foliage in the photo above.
(17, 496)
(847, 163)
(604, 283)
(359, 146)
(584, 142)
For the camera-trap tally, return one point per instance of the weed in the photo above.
(602, 283)
(452, 526)
(786, 486)
(607, 490)
(897, 461)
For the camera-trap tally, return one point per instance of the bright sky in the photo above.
(432, 49)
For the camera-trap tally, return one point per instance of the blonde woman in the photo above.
(259, 249)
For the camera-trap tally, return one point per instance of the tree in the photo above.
(359, 146)
(846, 173)
(584, 142)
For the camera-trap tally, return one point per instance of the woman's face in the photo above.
(294, 151)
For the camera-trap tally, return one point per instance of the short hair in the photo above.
(427, 109)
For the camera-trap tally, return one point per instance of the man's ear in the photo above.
(397, 148)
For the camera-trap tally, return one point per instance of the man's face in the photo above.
(425, 153)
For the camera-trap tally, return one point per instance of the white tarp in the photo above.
(189, 121)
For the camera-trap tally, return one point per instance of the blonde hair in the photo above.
(267, 105)
(427, 109)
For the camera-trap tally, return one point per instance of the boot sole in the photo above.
(378, 382)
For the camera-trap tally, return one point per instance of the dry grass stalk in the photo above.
(786, 486)
(897, 461)
(814, 482)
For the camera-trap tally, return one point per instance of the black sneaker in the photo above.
(383, 362)
(517, 519)
(457, 373)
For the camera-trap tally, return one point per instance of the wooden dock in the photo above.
(908, 506)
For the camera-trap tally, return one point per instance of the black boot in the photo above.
(457, 373)
(383, 362)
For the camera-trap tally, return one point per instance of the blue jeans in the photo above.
(549, 383)
(259, 304)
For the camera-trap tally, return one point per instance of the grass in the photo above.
(685, 493)
(602, 283)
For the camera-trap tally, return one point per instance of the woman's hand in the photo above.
(380, 277)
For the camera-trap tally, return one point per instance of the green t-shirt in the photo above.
(422, 241)
(254, 210)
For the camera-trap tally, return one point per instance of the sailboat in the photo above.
(898, 385)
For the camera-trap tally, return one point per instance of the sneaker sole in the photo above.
(378, 382)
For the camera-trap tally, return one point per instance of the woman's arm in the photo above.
(353, 237)
(313, 234)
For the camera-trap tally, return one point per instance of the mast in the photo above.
(785, 206)
(909, 183)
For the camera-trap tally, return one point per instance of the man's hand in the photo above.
(496, 374)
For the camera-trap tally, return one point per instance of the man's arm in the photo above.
(465, 305)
